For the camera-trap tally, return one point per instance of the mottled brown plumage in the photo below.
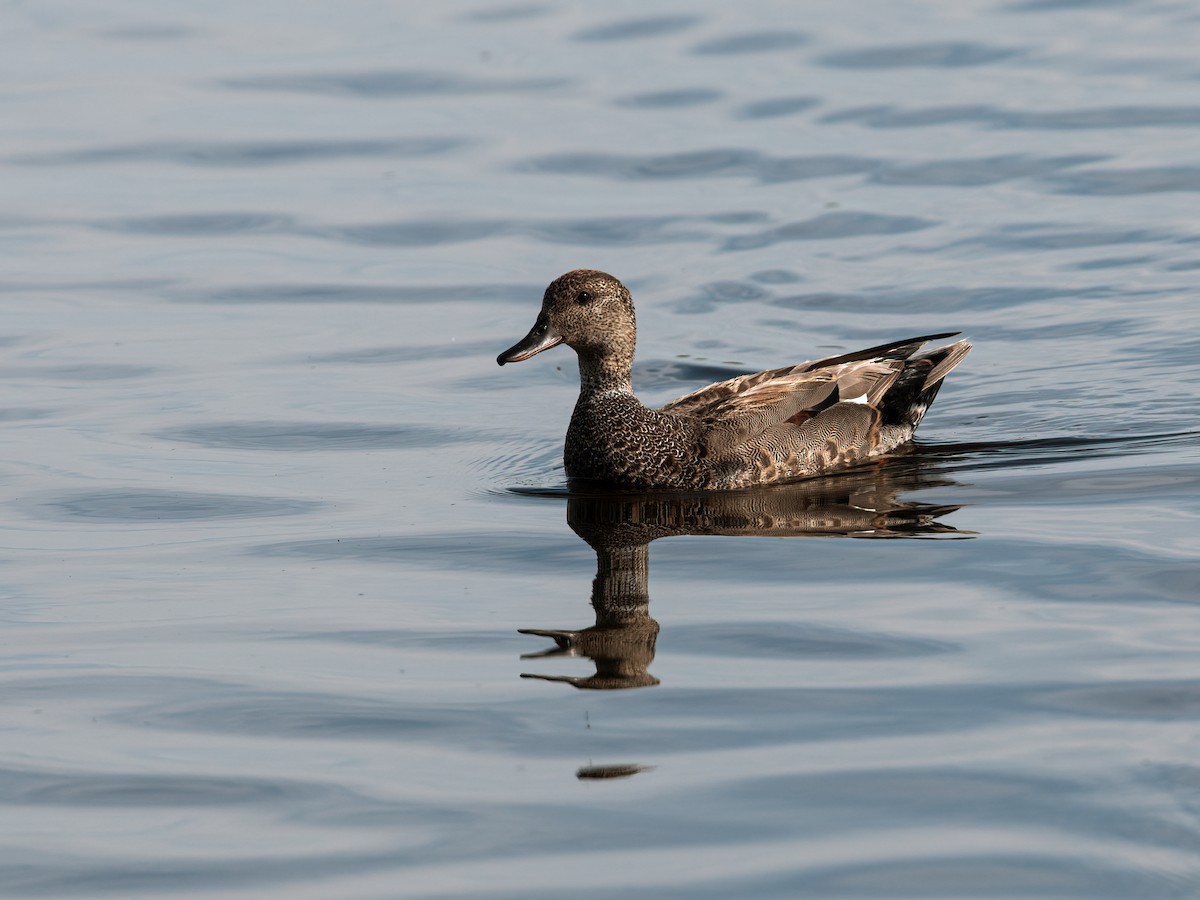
(763, 428)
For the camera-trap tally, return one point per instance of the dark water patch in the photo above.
(115, 285)
(686, 718)
(638, 29)
(1179, 583)
(690, 165)
(199, 224)
(24, 413)
(918, 873)
(947, 299)
(745, 217)
(390, 83)
(618, 231)
(829, 226)
(776, 107)
(1181, 780)
(421, 838)
(791, 640)
(12, 222)
(976, 172)
(1024, 452)
(501, 14)
(995, 874)
(655, 374)
(732, 292)
(329, 718)
(104, 790)
(800, 168)
(744, 718)
(530, 464)
(721, 293)
(1114, 262)
(69, 875)
(404, 354)
(803, 562)
(1184, 266)
(1127, 182)
(418, 233)
(79, 372)
(712, 719)
(943, 55)
(243, 154)
(893, 796)
(149, 32)
(496, 551)
(467, 641)
(919, 796)
(361, 293)
(1096, 574)
(752, 42)
(1114, 117)
(611, 231)
(1026, 236)
(1151, 700)
(719, 162)
(305, 436)
(104, 686)
(675, 99)
(776, 276)
(818, 714)
(631, 167)
(172, 506)
(1059, 5)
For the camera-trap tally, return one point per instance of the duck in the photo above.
(762, 428)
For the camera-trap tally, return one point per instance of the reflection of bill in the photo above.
(620, 526)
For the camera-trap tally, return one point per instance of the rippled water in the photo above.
(274, 517)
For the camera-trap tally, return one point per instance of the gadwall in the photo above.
(764, 428)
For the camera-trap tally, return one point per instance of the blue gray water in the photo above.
(273, 517)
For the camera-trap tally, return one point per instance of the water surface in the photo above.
(275, 522)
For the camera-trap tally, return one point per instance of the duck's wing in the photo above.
(806, 385)
(722, 396)
(749, 408)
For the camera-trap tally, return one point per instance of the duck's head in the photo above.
(587, 310)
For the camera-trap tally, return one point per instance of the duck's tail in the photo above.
(913, 392)
(944, 359)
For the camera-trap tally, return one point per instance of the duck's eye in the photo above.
(583, 298)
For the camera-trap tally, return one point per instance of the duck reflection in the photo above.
(620, 526)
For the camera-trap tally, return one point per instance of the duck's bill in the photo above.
(541, 337)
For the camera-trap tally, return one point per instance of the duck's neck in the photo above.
(621, 591)
(604, 372)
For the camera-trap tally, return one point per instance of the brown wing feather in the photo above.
(708, 400)
(743, 410)
(952, 355)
